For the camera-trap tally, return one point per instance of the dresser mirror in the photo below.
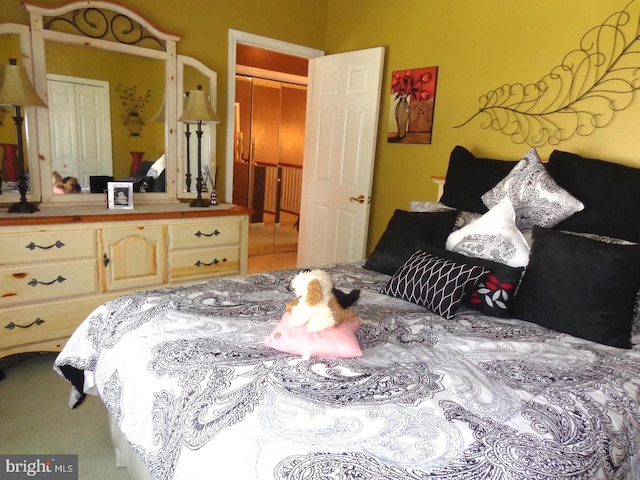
(91, 93)
(15, 42)
(79, 44)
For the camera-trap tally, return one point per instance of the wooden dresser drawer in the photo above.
(30, 247)
(204, 262)
(50, 281)
(53, 321)
(204, 234)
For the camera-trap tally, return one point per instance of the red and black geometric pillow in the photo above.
(494, 293)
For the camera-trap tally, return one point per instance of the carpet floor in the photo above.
(35, 418)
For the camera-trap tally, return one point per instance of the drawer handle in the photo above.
(12, 325)
(33, 246)
(215, 233)
(35, 282)
(214, 262)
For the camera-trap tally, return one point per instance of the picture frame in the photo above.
(413, 95)
(120, 195)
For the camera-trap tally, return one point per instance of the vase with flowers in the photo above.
(408, 85)
(133, 108)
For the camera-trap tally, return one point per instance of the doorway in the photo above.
(238, 157)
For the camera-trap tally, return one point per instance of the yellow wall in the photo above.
(478, 46)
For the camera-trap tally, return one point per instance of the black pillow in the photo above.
(495, 291)
(609, 192)
(403, 231)
(468, 178)
(143, 168)
(580, 286)
(433, 282)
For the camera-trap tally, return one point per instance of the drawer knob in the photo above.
(35, 282)
(33, 246)
(215, 233)
(12, 325)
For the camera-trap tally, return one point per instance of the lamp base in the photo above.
(199, 202)
(23, 207)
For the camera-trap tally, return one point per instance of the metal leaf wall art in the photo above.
(579, 96)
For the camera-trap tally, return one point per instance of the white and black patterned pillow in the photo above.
(464, 217)
(635, 326)
(536, 197)
(433, 282)
(427, 206)
(494, 236)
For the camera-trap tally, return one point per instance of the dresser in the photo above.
(57, 267)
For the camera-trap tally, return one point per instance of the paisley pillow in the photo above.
(464, 217)
(536, 197)
(494, 236)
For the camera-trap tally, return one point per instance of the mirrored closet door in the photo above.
(270, 120)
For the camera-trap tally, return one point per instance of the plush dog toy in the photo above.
(64, 185)
(319, 305)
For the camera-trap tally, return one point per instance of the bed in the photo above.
(481, 359)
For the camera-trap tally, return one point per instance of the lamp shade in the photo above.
(198, 109)
(16, 88)
(159, 116)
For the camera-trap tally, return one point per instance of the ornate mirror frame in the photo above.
(111, 41)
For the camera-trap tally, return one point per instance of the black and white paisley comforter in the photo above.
(186, 375)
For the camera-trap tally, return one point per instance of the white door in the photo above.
(343, 106)
(62, 121)
(79, 118)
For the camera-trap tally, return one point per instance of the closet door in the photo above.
(79, 118)
(270, 122)
(292, 124)
(62, 122)
(91, 103)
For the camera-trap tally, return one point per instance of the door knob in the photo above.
(359, 199)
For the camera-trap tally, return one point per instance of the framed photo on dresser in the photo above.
(120, 195)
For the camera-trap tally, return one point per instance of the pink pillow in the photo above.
(338, 342)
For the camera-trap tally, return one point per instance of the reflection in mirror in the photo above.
(192, 73)
(106, 43)
(193, 78)
(13, 42)
(93, 95)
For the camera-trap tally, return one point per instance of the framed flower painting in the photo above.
(413, 95)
